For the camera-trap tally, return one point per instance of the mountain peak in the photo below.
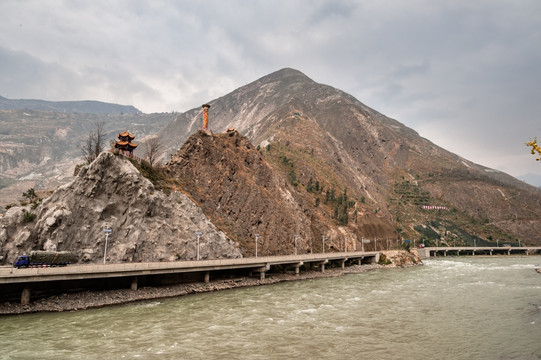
(289, 74)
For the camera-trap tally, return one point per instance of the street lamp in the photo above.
(198, 233)
(256, 238)
(323, 246)
(107, 233)
(295, 237)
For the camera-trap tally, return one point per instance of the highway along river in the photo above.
(451, 308)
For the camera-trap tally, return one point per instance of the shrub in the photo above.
(28, 216)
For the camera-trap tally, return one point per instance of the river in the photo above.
(450, 308)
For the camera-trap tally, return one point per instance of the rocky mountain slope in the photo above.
(307, 159)
(243, 194)
(147, 224)
(328, 136)
(39, 149)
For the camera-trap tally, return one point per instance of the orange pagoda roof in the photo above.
(125, 144)
(126, 134)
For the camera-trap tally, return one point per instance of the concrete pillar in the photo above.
(322, 267)
(343, 263)
(297, 270)
(360, 261)
(25, 296)
(134, 283)
(207, 277)
(262, 275)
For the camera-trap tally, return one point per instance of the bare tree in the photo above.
(154, 148)
(94, 143)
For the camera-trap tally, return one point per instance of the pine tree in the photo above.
(310, 186)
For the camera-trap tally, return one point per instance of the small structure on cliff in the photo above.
(124, 143)
(206, 108)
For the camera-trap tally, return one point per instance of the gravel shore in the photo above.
(96, 299)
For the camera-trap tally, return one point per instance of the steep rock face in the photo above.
(245, 195)
(241, 193)
(147, 225)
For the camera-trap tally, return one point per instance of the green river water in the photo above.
(450, 308)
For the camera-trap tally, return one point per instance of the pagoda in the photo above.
(124, 143)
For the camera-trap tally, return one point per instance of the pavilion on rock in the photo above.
(124, 143)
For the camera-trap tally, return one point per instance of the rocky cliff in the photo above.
(244, 195)
(147, 224)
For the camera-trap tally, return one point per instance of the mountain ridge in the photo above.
(329, 135)
(81, 106)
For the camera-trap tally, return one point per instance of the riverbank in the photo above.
(96, 299)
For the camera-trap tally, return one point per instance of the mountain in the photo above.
(39, 149)
(147, 224)
(69, 107)
(303, 159)
(317, 132)
(244, 194)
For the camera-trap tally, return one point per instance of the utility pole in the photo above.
(323, 246)
(107, 232)
(295, 237)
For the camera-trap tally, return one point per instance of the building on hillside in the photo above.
(124, 143)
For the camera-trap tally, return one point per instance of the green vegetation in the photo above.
(156, 174)
(383, 260)
(28, 216)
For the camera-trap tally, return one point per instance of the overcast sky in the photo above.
(464, 74)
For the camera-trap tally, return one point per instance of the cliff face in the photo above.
(241, 193)
(244, 194)
(147, 225)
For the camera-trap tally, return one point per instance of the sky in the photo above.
(464, 74)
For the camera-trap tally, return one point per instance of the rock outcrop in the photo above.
(242, 194)
(147, 225)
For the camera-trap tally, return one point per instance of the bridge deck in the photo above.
(22, 280)
(473, 250)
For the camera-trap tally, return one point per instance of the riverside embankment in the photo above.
(69, 301)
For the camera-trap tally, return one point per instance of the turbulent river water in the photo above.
(450, 308)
